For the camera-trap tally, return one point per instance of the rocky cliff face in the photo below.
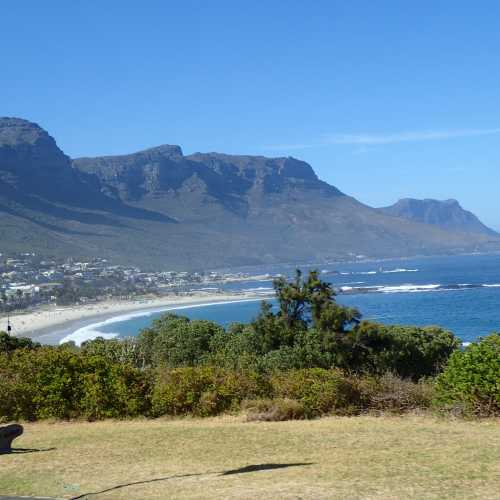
(203, 186)
(205, 210)
(130, 177)
(31, 162)
(229, 180)
(447, 214)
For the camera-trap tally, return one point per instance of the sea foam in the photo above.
(414, 288)
(380, 271)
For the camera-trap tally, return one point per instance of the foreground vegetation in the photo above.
(311, 357)
(335, 457)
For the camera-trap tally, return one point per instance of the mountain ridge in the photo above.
(161, 208)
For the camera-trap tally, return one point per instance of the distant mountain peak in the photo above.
(447, 214)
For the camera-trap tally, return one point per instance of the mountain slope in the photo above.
(160, 208)
(447, 214)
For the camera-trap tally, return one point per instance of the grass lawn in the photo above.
(226, 457)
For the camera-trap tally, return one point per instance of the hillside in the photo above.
(159, 207)
(226, 457)
(447, 214)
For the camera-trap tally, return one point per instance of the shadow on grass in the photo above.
(260, 467)
(14, 451)
(242, 470)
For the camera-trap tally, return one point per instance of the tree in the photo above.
(176, 341)
(302, 304)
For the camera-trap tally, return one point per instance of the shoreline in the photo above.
(51, 324)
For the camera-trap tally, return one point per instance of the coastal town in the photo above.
(28, 280)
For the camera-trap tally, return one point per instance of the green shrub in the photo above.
(471, 380)
(235, 349)
(203, 391)
(409, 352)
(9, 343)
(319, 391)
(41, 383)
(175, 341)
(55, 382)
(16, 392)
(112, 390)
(273, 410)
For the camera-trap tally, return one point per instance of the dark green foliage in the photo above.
(301, 334)
(235, 349)
(176, 341)
(311, 330)
(409, 352)
(240, 348)
(302, 303)
(9, 343)
(471, 380)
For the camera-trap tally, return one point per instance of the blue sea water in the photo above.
(460, 293)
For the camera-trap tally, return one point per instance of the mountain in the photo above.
(447, 214)
(161, 208)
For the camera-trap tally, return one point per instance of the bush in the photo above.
(16, 392)
(319, 391)
(42, 383)
(273, 410)
(390, 393)
(58, 383)
(175, 341)
(235, 349)
(409, 352)
(112, 390)
(123, 351)
(471, 380)
(203, 391)
(8, 343)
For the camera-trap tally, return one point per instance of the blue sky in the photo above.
(385, 99)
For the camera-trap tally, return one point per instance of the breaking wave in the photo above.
(411, 288)
(260, 290)
(380, 271)
(92, 331)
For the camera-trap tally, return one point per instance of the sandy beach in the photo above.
(41, 322)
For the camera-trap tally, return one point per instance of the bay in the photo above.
(460, 293)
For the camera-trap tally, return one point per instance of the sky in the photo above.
(385, 99)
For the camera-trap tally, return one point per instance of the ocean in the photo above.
(460, 293)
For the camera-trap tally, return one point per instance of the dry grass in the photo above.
(350, 458)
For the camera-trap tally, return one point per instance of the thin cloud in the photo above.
(431, 135)
(394, 138)
(289, 147)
